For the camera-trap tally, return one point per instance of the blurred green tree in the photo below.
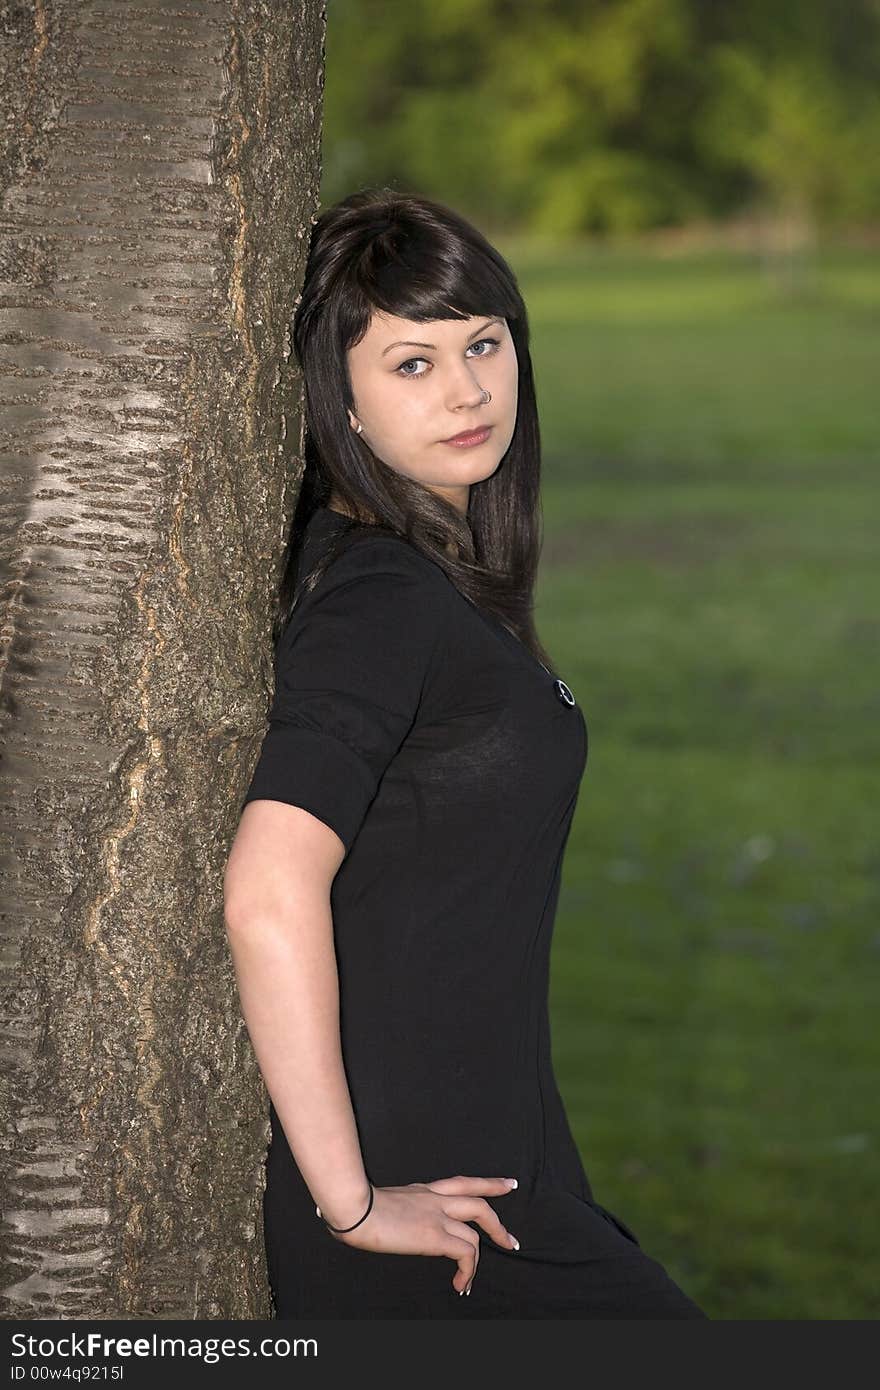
(608, 116)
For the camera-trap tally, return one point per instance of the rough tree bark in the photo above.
(159, 178)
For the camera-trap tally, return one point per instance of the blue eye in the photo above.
(494, 345)
(495, 341)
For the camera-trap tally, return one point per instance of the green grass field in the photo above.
(709, 588)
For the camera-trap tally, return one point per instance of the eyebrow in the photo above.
(432, 346)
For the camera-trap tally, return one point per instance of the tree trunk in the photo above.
(159, 180)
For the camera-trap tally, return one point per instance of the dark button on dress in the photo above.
(448, 760)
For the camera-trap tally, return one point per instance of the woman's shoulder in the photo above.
(369, 584)
(370, 551)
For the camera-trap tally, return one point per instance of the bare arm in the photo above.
(280, 930)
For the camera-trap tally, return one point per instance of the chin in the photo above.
(481, 475)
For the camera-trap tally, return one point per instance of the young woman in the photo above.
(391, 891)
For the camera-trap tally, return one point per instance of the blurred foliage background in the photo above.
(608, 116)
(689, 194)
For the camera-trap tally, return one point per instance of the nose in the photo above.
(465, 390)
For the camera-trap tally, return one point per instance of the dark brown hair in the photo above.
(417, 259)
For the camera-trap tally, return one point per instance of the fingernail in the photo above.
(511, 1182)
(460, 1292)
(515, 1241)
(468, 1290)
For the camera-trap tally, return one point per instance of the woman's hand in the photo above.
(428, 1218)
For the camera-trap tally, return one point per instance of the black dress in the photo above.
(448, 760)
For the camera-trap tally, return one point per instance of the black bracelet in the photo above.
(343, 1229)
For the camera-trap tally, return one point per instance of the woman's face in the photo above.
(417, 384)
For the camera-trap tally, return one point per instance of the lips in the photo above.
(469, 436)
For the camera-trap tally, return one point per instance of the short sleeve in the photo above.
(351, 668)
